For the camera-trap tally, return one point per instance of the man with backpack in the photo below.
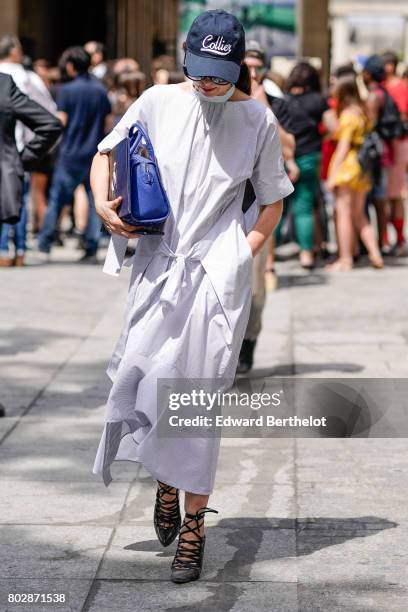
(397, 87)
(386, 120)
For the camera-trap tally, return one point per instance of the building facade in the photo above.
(361, 28)
(137, 28)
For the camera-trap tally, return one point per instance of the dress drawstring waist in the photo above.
(175, 276)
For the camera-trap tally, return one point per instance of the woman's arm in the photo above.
(267, 221)
(330, 122)
(106, 208)
(288, 151)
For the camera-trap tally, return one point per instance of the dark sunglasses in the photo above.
(259, 69)
(216, 80)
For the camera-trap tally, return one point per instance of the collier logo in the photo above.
(217, 46)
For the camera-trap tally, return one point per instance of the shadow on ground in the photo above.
(301, 280)
(292, 369)
(311, 535)
(28, 340)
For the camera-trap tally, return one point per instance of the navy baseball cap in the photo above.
(375, 67)
(215, 46)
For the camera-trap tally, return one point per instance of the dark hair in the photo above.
(99, 47)
(132, 82)
(7, 44)
(176, 76)
(244, 80)
(389, 57)
(78, 57)
(374, 66)
(41, 62)
(304, 75)
(94, 46)
(254, 49)
(346, 93)
(27, 62)
(345, 70)
(163, 62)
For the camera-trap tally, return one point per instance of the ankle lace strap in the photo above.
(200, 513)
(189, 551)
(167, 508)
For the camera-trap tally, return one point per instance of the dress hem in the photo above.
(154, 475)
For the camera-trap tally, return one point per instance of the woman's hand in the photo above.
(253, 241)
(106, 209)
(267, 220)
(292, 170)
(330, 185)
(111, 220)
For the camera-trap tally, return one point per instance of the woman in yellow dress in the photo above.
(347, 179)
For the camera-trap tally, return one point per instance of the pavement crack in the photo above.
(93, 590)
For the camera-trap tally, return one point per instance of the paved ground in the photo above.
(303, 525)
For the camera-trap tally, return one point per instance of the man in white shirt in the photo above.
(98, 65)
(11, 55)
(29, 83)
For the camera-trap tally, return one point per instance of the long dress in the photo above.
(190, 290)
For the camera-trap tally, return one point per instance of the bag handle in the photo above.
(141, 133)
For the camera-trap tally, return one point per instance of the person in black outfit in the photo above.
(14, 106)
(306, 108)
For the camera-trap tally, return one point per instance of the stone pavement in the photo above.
(303, 525)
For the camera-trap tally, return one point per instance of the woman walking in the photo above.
(190, 290)
(349, 182)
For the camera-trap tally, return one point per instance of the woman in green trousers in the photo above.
(306, 107)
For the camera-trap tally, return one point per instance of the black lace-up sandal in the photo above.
(167, 518)
(188, 561)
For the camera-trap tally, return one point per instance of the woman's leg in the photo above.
(39, 182)
(271, 280)
(303, 203)
(188, 559)
(81, 208)
(345, 230)
(398, 219)
(270, 257)
(365, 229)
(381, 210)
(192, 503)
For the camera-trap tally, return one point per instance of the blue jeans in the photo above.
(19, 230)
(64, 183)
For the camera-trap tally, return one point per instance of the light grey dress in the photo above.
(190, 291)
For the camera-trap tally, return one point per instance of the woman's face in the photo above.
(210, 89)
(256, 68)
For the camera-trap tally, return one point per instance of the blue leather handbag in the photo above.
(134, 175)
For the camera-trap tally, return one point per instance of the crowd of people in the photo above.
(87, 95)
(345, 150)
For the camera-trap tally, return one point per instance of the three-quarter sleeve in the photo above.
(138, 111)
(269, 178)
